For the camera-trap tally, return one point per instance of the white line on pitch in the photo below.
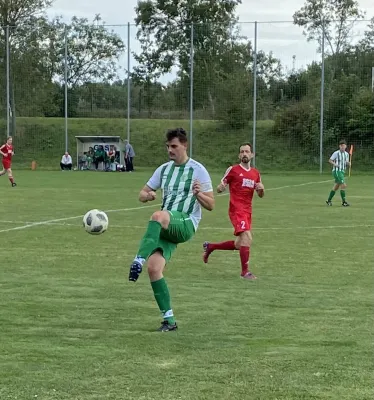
(230, 229)
(51, 221)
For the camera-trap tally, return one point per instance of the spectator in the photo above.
(90, 157)
(83, 161)
(66, 162)
(99, 156)
(129, 156)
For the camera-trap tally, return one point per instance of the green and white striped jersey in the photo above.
(176, 182)
(341, 159)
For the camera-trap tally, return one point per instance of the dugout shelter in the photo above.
(85, 142)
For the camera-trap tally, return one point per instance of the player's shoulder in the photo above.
(196, 165)
(235, 168)
(163, 167)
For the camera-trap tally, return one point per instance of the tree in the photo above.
(16, 17)
(92, 50)
(165, 32)
(333, 17)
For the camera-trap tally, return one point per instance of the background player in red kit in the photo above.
(243, 181)
(6, 150)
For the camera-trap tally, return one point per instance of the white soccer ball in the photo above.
(95, 222)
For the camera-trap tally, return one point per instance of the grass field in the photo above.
(74, 328)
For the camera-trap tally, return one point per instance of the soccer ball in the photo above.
(95, 222)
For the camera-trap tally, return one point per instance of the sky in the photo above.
(282, 38)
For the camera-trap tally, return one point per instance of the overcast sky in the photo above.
(284, 39)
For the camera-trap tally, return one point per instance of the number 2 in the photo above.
(242, 223)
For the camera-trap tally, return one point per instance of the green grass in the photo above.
(43, 140)
(74, 328)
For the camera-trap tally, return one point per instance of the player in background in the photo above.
(243, 181)
(187, 188)
(339, 160)
(7, 151)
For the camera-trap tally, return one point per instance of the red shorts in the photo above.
(6, 163)
(241, 222)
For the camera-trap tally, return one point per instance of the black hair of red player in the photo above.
(245, 144)
(177, 133)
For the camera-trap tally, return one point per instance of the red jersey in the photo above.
(242, 184)
(7, 149)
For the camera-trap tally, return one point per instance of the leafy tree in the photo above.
(16, 17)
(335, 17)
(166, 35)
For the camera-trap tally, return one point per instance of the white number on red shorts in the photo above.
(242, 223)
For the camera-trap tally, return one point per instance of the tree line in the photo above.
(39, 50)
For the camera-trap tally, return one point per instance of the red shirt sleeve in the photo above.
(3, 148)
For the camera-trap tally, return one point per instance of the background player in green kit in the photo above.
(187, 188)
(339, 160)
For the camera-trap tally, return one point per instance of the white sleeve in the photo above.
(202, 175)
(155, 181)
(334, 155)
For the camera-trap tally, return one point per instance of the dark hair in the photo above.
(343, 142)
(245, 144)
(178, 133)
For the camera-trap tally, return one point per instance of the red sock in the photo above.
(230, 245)
(11, 179)
(244, 258)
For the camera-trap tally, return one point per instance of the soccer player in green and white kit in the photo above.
(187, 188)
(339, 160)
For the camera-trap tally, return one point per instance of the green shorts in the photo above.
(338, 177)
(180, 230)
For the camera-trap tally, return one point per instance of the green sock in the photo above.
(342, 195)
(162, 296)
(332, 194)
(149, 240)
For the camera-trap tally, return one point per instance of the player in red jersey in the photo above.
(6, 150)
(243, 181)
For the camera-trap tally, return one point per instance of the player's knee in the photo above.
(162, 217)
(343, 186)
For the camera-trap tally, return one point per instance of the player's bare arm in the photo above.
(147, 194)
(260, 189)
(206, 199)
(221, 187)
(333, 163)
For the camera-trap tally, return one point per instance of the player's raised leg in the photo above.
(149, 242)
(156, 264)
(208, 248)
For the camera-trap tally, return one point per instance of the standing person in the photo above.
(7, 151)
(129, 156)
(339, 160)
(187, 188)
(66, 162)
(243, 181)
